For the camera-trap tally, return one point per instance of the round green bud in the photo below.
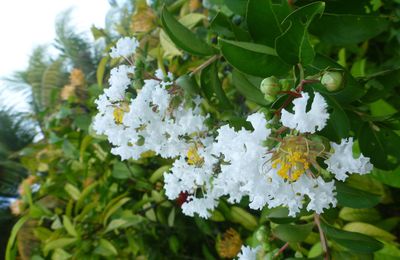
(286, 84)
(270, 86)
(332, 80)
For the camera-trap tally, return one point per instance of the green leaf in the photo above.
(114, 224)
(262, 22)
(158, 174)
(105, 248)
(112, 207)
(183, 37)
(60, 254)
(190, 20)
(121, 171)
(101, 68)
(347, 29)
(294, 46)
(244, 218)
(253, 59)
(293, 233)
(388, 252)
(13, 235)
(390, 178)
(363, 215)
(58, 243)
(338, 125)
(355, 198)
(279, 215)
(72, 191)
(223, 26)
(369, 230)
(247, 89)
(351, 240)
(69, 226)
(381, 145)
(212, 88)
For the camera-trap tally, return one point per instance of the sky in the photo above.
(25, 24)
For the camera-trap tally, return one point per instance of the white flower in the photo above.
(248, 253)
(342, 162)
(119, 81)
(306, 122)
(124, 48)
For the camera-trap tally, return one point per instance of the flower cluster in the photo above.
(271, 167)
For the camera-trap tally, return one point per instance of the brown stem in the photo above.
(283, 248)
(322, 236)
(292, 96)
(299, 88)
(205, 64)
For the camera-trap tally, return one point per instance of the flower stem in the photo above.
(205, 64)
(322, 236)
(283, 248)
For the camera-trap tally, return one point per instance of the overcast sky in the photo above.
(25, 24)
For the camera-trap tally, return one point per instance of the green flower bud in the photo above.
(332, 80)
(270, 86)
(286, 84)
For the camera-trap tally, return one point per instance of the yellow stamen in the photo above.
(118, 115)
(193, 157)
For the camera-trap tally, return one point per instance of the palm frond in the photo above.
(73, 45)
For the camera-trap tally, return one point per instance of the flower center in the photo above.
(294, 156)
(193, 157)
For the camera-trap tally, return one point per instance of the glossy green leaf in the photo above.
(381, 145)
(390, 178)
(351, 240)
(212, 87)
(278, 215)
(294, 46)
(253, 59)
(363, 215)
(223, 26)
(347, 28)
(338, 125)
(355, 198)
(293, 233)
(262, 22)
(183, 37)
(369, 230)
(247, 89)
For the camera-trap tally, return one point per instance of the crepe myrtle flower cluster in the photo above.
(274, 164)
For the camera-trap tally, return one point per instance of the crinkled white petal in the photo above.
(124, 48)
(303, 121)
(248, 253)
(119, 82)
(342, 162)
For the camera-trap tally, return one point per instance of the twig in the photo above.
(283, 248)
(322, 236)
(205, 64)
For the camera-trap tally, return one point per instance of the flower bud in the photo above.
(286, 84)
(332, 80)
(270, 86)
